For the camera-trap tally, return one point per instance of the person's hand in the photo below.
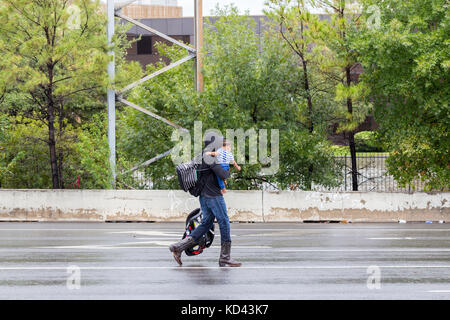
(238, 168)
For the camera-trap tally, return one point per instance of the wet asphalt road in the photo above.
(280, 261)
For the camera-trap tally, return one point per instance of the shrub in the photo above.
(367, 141)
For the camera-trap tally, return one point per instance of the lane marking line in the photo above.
(243, 267)
(235, 229)
(394, 238)
(149, 233)
(366, 250)
(164, 246)
(248, 247)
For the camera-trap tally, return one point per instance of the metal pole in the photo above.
(345, 170)
(111, 95)
(198, 22)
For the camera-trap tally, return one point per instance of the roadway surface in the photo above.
(280, 261)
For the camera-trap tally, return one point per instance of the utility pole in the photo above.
(198, 21)
(111, 95)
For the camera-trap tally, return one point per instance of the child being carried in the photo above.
(225, 158)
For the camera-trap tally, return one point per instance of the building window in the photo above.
(144, 46)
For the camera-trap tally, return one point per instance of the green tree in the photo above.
(89, 161)
(24, 154)
(54, 58)
(8, 159)
(297, 27)
(407, 60)
(259, 79)
(338, 60)
(250, 82)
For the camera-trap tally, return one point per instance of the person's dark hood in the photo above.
(213, 142)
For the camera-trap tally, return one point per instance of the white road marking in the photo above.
(241, 229)
(394, 238)
(161, 243)
(150, 233)
(243, 267)
(158, 245)
(439, 291)
(174, 239)
(366, 250)
(91, 247)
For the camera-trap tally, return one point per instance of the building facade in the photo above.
(151, 9)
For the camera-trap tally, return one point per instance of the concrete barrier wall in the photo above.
(254, 206)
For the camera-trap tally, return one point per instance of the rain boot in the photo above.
(179, 247)
(225, 259)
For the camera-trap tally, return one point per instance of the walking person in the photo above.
(213, 207)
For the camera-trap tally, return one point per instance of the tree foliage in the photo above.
(250, 83)
(24, 160)
(53, 69)
(407, 62)
(297, 76)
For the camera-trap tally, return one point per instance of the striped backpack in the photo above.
(190, 176)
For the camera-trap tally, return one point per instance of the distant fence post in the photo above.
(345, 171)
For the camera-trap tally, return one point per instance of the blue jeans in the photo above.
(213, 208)
(226, 166)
